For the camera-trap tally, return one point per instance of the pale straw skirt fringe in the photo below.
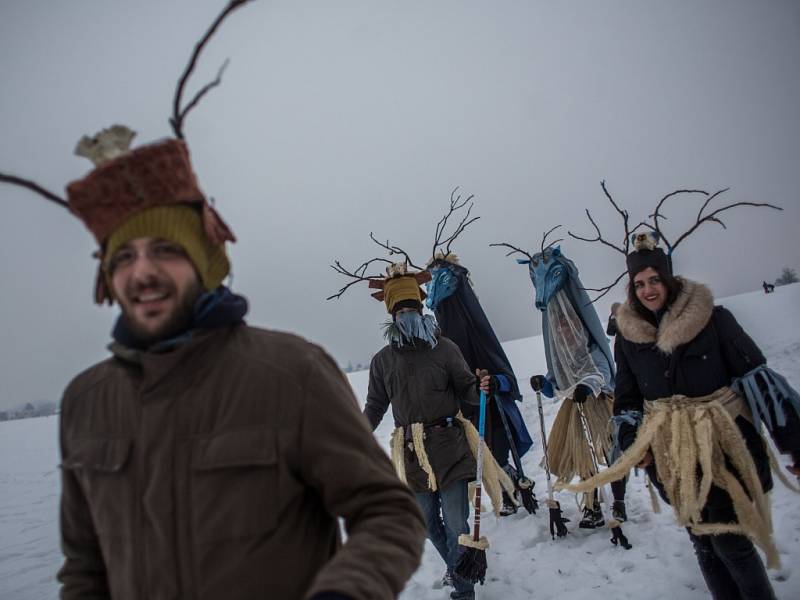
(568, 451)
(685, 434)
(495, 480)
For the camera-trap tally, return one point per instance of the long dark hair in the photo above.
(672, 284)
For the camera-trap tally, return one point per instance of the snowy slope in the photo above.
(526, 563)
(523, 561)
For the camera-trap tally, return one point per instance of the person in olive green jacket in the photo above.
(425, 379)
(208, 459)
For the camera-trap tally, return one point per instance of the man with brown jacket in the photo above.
(425, 379)
(205, 458)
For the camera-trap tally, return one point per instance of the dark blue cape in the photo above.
(461, 318)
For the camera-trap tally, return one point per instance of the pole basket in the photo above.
(558, 523)
(471, 565)
(525, 488)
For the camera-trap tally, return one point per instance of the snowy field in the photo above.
(523, 561)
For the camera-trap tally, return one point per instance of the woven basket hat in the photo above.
(126, 183)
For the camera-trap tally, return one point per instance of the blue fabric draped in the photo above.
(768, 394)
(632, 418)
(461, 318)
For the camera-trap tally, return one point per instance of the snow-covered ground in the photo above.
(523, 561)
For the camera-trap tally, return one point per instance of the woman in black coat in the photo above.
(672, 340)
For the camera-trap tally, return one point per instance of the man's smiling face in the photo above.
(156, 286)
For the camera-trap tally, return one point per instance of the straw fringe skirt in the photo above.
(690, 439)
(568, 451)
(495, 480)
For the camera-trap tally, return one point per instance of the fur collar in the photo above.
(687, 317)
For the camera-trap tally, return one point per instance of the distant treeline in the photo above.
(28, 410)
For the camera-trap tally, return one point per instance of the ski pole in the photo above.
(524, 484)
(472, 562)
(544, 445)
(557, 521)
(479, 471)
(616, 530)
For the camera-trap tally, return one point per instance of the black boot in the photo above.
(508, 508)
(447, 579)
(592, 518)
(618, 511)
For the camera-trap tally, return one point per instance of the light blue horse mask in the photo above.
(547, 274)
(443, 284)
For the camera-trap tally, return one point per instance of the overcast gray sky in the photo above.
(340, 118)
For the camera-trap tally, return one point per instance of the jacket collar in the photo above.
(218, 308)
(155, 367)
(684, 319)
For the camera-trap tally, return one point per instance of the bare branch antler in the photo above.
(357, 275)
(456, 204)
(605, 289)
(34, 187)
(700, 219)
(623, 249)
(178, 113)
(657, 216)
(544, 239)
(514, 249)
(394, 250)
(657, 213)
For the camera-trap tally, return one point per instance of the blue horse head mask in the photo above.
(443, 284)
(547, 274)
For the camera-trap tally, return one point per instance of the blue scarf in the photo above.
(217, 308)
(410, 326)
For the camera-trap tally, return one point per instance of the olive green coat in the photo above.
(425, 385)
(220, 469)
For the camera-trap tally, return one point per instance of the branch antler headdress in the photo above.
(393, 269)
(645, 242)
(178, 113)
(85, 146)
(125, 182)
(441, 251)
(441, 243)
(622, 248)
(531, 257)
(711, 217)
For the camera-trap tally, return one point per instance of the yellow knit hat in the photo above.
(178, 223)
(401, 288)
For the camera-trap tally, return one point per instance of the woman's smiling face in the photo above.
(650, 290)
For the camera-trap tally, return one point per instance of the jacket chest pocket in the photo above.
(101, 466)
(435, 378)
(702, 370)
(234, 485)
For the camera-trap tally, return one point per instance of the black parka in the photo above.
(696, 349)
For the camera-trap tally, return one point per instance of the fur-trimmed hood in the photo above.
(687, 317)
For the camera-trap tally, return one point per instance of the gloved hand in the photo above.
(581, 393)
(538, 382)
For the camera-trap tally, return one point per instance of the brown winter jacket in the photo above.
(218, 470)
(425, 385)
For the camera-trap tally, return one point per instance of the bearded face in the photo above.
(156, 285)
